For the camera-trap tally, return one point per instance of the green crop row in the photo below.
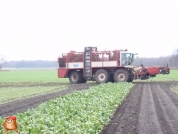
(82, 112)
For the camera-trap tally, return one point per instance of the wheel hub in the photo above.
(121, 77)
(74, 77)
(102, 77)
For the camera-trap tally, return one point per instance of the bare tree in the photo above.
(174, 58)
(2, 61)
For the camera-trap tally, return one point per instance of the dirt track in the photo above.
(151, 108)
(24, 104)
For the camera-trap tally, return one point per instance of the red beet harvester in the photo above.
(104, 66)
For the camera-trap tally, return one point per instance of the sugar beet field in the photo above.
(44, 104)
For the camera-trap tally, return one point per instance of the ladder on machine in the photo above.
(87, 63)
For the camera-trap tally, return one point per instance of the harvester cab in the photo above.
(126, 59)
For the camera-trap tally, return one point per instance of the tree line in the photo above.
(30, 64)
(172, 61)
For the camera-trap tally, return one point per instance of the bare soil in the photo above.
(22, 105)
(150, 108)
(30, 84)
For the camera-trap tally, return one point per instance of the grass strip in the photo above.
(15, 93)
(173, 76)
(175, 89)
(40, 76)
(82, 112)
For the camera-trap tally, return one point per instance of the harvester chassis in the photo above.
(104, 66)
(102, 76)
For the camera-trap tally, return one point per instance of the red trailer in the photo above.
(144, 73)
(103, 66)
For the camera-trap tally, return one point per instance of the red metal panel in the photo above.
(102, 58)
(62, 72)
(153, 70)
(118, 58)
(83, 63)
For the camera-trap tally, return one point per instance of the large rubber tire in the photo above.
(75, 77)
(111, 78)
(102, 76)
(130, 79)
(121, 75)
(163, 72)
(83, 80)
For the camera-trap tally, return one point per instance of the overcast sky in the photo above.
(43, 29)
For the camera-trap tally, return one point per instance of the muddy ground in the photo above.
(27, 103)
(150, 108)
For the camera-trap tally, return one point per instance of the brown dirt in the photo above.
(150, 108)
(30, 84)
(27, 103)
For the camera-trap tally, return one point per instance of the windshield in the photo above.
(127, 59)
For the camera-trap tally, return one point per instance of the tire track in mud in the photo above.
(126, 116)
(150, 108)
(166, 109)
(29, 84)
(32, 102)
(173, 96)
(148, 120)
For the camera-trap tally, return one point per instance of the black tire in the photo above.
(130, 79)
(75, 77)
(163, 72)
(102, 76)
(111, 78)
(121, 73)
(83, 80)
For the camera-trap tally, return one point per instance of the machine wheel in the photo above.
(163, 72)
(83, 80)
(111, 78)
(121, 75)
(102, 76)
(75, 77)
(130, 79)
